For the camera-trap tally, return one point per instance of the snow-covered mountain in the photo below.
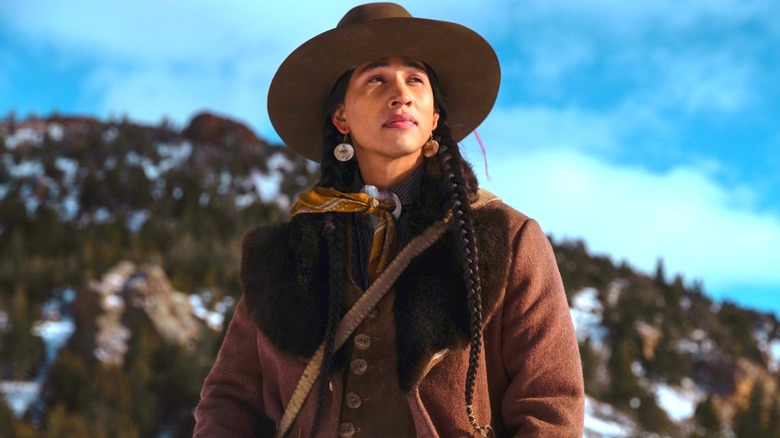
(118, 258)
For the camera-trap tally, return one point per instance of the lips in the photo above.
(400, 121)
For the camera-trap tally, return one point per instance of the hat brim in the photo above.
(465, 64)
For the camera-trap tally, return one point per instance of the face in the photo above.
(388, 110)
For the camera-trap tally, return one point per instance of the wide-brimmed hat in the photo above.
(465, 64)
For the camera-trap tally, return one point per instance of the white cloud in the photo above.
(560, 167)
(636, 215)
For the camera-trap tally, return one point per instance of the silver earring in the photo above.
(430, 148)
(344, 151)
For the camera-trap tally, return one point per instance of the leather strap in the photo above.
(357, 314)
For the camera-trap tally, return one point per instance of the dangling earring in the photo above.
(344, 151)
(430, 148)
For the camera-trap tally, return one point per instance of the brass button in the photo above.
(372, 315)
(346, 430)
(362, 341)
(358, 366)
(353, 400)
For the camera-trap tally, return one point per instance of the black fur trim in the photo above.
(431, 307)
(284, 274)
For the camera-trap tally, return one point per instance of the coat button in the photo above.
(346, 430)
(362, 341)
(372, 315)
(358, 367)
(353, 400)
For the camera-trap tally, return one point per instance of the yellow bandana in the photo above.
(324, 200)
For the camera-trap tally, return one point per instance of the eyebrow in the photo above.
(382, 63)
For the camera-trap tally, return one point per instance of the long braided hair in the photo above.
(338, 175)
(460, 185)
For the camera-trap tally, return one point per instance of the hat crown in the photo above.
(373, 11)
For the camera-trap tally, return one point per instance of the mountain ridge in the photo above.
(80, 197)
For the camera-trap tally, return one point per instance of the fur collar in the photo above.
(284, 276)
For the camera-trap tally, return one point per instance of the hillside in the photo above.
(118, 262)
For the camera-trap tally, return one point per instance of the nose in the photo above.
(400, 94)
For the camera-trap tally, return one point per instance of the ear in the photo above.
(339, 120)
(435, 119)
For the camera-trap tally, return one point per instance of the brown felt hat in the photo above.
(466, 65)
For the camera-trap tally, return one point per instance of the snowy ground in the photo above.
(603, 421)
(55, 330)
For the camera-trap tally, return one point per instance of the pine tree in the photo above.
(773, 428)
(624, 385)
(69, 382)
(590, 365)
(749, 422)
(707, 420)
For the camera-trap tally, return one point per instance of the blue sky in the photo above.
(649, 128)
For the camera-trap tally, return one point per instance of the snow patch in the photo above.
(213, 318)
(243, 201)
(4, 189)
(25, 169)
(55, 329)
(24, 136)
(773, 353)
(110, 135)
(266, 186)
(173, 155)
(604, 421)
(19, 395)
(137, 220)
(56, 131)
(225, 179)
(587, 314)
(54, 334)
(278, 161)
(69, 167)
(679, 403)
(69, 207)
(103, 215)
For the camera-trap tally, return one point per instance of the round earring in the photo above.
(344, 151)
(430, 148)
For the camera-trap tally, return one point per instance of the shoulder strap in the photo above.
(484, 197)
(357, 314)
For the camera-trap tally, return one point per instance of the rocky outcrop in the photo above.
(106, 307)
(208, 128)
(170, 311)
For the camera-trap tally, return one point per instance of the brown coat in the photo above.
(530, 378)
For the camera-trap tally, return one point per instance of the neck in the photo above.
(386, 174)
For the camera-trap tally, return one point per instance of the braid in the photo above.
(338, 175)
(334, 235)
(459, 179)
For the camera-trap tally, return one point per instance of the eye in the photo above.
(416, 79)
(376, 79)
